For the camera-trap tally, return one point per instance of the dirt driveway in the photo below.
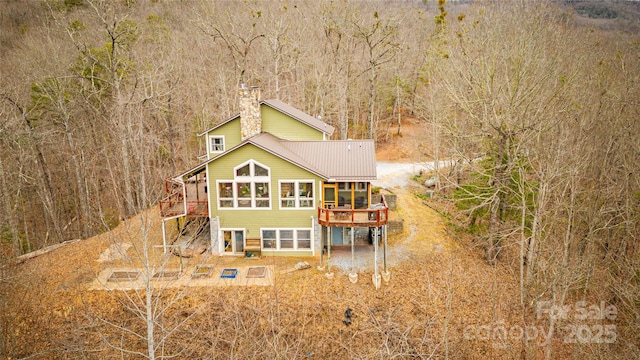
(396, 174)
(423, 228)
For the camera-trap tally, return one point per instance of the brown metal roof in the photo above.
(339, 160)
(275, 145)
(342, 160)
(193, 171)
(289, 110)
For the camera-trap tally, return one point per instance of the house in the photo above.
(273, 183)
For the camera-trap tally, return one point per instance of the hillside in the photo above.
(442, 299)
(439, 285)
(529, 249)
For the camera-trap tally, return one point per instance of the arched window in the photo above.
(249, 188)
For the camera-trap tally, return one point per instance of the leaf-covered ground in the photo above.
(439, 294)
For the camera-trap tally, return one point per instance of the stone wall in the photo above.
(394, 226)
(250, 119)
(390, 198)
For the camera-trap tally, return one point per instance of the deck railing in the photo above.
(197, 208)
(374, 216)
(175, 205)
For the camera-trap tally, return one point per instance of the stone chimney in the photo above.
(250, 119)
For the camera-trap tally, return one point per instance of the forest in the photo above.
(536, 103)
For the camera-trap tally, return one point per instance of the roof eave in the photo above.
(222, 123)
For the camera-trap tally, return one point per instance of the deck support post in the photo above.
(322, 235)
(384, 255)
(353, 276)
(386, 275)
(329, 274)
(164, 237)
(329, 248)
(376, 276)
(353, 256)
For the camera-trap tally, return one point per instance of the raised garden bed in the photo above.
(166, 275)
(229, 273)
(202, 271)
(123, 275)
(256, 272)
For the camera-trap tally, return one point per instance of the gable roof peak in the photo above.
(285, 109)
(301, 116)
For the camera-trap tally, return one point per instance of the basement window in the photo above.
(286, 239)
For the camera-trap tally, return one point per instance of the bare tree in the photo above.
(237, 36)
(378, 37)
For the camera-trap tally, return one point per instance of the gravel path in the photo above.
(391, 175)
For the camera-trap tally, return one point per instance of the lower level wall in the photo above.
(395, 227)
(391, 200)
(286, 253)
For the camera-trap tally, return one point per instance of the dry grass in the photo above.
(438, 287)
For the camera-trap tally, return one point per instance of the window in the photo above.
(287, 195)
(286, 239)
(225, 191)
(262, 194)
(248, 190)
(296, 194)
(305, 192)
(244, 194)
(304, 239)
(260, 171)
(344, 194)
(217, 143)
(268, 239)
(360, 196)
(243, 171)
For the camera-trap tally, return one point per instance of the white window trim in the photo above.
(236, 198)
(252, 163)
(221, 242)
(295, 239)
(211, 137)
(262, 239)
(252, 180)
(296, 198)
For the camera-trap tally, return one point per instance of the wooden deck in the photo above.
(196, 205)
(375, 216)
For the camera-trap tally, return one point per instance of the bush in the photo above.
(596, 11)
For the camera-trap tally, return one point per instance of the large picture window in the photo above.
(250, 188)
(296, 194)
(286, 239)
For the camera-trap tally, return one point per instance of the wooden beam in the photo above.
(22, 258)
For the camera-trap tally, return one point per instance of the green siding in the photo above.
(231, 132)
(286, 127)
(253, 220)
